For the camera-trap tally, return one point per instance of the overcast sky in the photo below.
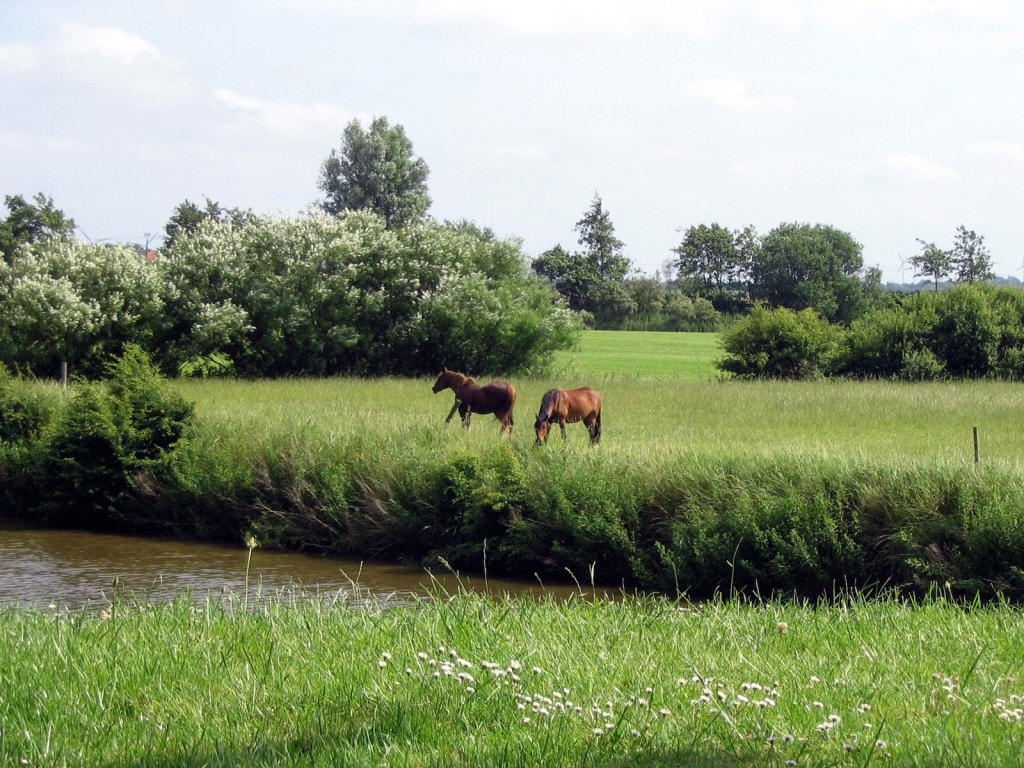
(892, 120)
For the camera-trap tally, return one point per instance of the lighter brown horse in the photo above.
(498, 397)
(562, 406)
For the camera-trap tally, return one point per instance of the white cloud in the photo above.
(734, 95)
(285, 116)
(17, 58)
(575, 19)
(111, 59)
(905, 166)
(109, 43)
(1004, 152)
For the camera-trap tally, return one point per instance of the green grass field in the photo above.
(642, 354)
(667, 397)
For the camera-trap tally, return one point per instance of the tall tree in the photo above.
(708, 260)
(800, 266)
(34, 222)
(603, 248)
(931, 262)
(970, 257)
(375, 170)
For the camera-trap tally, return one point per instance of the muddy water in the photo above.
(75, 569)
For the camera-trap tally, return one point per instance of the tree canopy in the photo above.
(376, 170)
(29, 223)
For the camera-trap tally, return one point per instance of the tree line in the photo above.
(367, 282)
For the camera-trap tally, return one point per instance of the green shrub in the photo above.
(103, 440)
(780, 344)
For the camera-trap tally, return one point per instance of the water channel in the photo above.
(76, 569)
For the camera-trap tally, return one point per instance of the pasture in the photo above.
(645, 417)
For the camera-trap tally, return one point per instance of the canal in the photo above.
(76, 569)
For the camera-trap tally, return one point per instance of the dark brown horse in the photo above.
(498, 397)
(562, 406)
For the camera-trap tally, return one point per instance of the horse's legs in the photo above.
(455, 407)
(591, 423)
(561, 423)
(466, 412)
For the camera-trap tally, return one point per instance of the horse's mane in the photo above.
(547, 404)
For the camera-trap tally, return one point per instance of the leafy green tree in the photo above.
(602, 249)
(323, 295)
(570, 274)
(932, 262)
(31, 223)
(970, 257)
(80, 303)
(375, 170)
(187, 217)
(708, 260)
(818, 267)
(592, 280)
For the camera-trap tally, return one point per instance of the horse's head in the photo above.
(443, 381)
(542, 426)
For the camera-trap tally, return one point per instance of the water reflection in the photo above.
(77, 569)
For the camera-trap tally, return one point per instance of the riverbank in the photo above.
(639, 682)
(697, 488)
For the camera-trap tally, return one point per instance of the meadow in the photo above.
(766, 500)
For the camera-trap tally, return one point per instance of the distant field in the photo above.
(644, 354)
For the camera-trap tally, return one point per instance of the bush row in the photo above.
(970, 331)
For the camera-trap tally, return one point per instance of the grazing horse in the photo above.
(560, 406)
(498, 397)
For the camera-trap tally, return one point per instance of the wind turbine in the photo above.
(903, 268)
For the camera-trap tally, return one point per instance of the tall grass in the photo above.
(639, 682)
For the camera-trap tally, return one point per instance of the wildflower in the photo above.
(386, 656)
(815, 679)
(538, 671)
(514, 665)
(880, 744)
(382, 663)
(422, 656)
(665, 712)
(788, 738)
(791, 762)
(597, 731)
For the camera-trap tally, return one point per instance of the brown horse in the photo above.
(498, 397)
(561, 406)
